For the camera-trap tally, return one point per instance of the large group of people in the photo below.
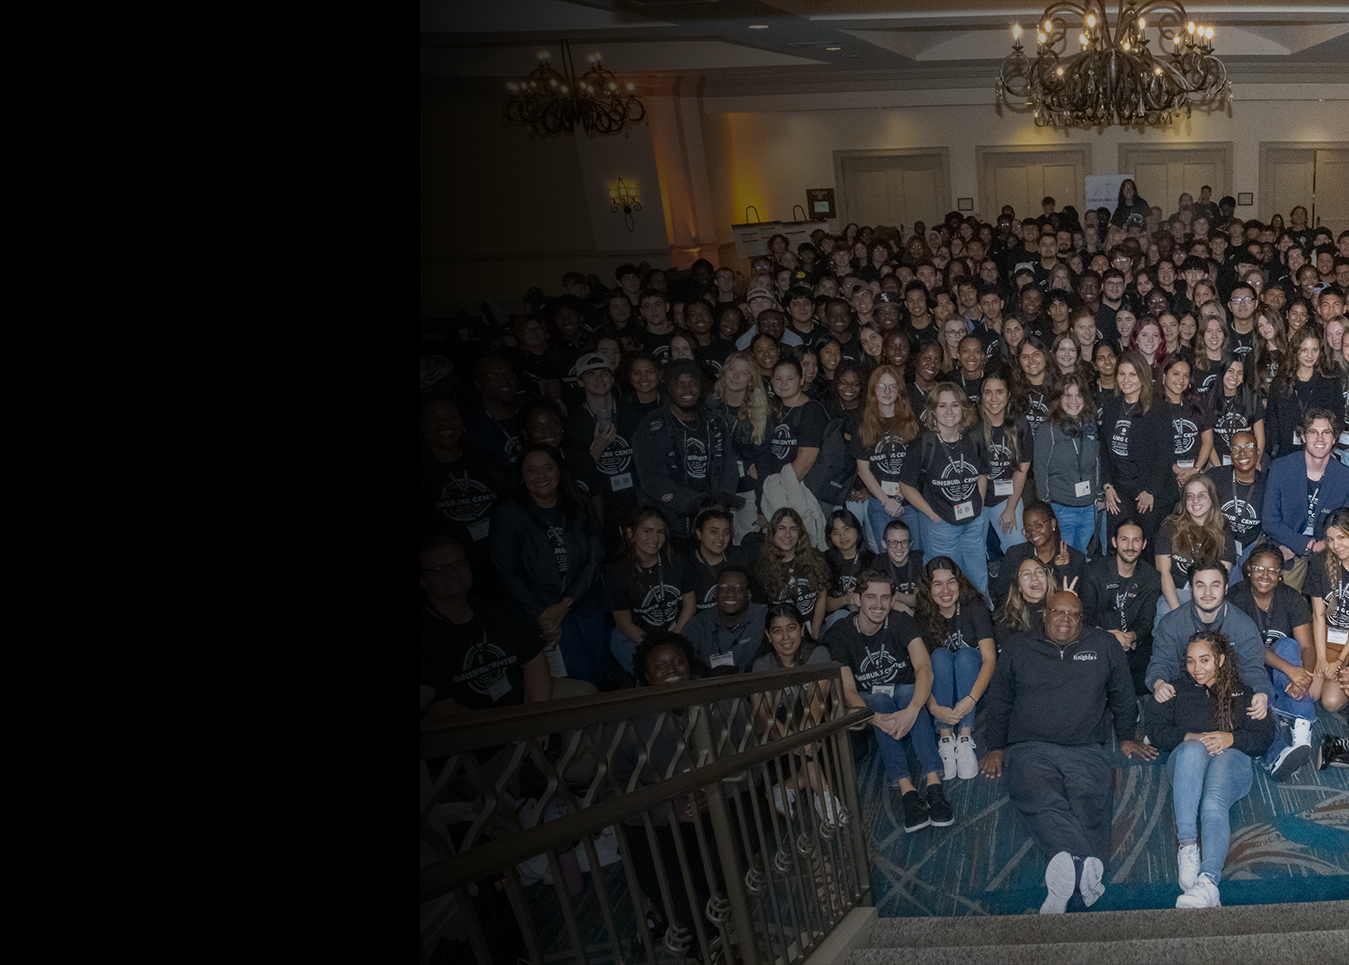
(1060, 470)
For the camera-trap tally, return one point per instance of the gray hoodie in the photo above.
(1062, 462)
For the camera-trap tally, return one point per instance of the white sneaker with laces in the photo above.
(967, 764)
(1060, 883)
(1204, 894)
(1302, 732)
(1188, 859)
(946, 750)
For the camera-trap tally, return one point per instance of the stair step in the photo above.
(1329, 947)
(1108, 926)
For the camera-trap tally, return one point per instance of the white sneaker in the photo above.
(1204, 894)
(946, 750)
(1060, 883)
(1188, 859)
(967, 764)
(1302, 732)
(1092, 887)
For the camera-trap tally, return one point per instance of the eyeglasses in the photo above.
(1196, 497)
(1266, 570)
(1243, 300)
(1070, 614)
(444, 568)
(1249, 447)
(897, 543)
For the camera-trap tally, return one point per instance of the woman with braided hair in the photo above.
(1212, 740)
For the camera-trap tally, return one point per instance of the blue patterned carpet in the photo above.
(1290, 842)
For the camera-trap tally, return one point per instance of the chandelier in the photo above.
(1114, 78)
(551, 103)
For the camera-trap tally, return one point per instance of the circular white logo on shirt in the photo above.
(1186, 433)
(464, 499)
(783, 440)
(957, 480)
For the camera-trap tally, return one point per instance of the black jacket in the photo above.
(523, 554)
(1042, 691)
(1194, 710)
(1111, 602)
(677, 467)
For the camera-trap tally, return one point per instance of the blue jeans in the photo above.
(1203, 789)
(1075, 524)
(953, 677)
(859, 509)
(1304, 707)
(623, 647)
(994, 513)
(920, 737)
(877, 518)
(582, 644)
(964, 544)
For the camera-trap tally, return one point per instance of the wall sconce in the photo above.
(623, 197)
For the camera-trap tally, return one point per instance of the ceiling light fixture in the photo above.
(551, 103)
(1114, 79)
(758, 26)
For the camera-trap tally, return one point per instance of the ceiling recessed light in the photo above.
(758, 26)
(833, 48)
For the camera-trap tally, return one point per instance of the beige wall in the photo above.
(770, 155)
(502, 212)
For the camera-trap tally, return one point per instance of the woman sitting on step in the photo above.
(1212, 740)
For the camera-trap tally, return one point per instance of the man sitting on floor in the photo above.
(1047, 716)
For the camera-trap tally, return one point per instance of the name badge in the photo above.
(556, 665)
(478, 529)
(722, 660)
(1227, 460)
(740, 467)
(621, 482)
(1309, 531)
(1338, 637)
(887, 690)
(1186, 464)
(890, 488)
(499, 688)
(1240, 548)
(965, 510)
(1002, 487)
(1084, 488)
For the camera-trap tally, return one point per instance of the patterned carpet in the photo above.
(1290, 842)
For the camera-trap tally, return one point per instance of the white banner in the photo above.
(1103, 190)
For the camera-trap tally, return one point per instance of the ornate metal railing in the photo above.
(654, 824)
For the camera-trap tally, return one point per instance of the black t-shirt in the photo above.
(658, 345)
(1243, 346)
(950, 479)
(457, 497)
(614, 472)
(479, 664)
(969, 625)
(654, 595)
(706, 577)
(1188, 427)
(795, 428)
(880, 660)
(843, 573)
(1001, 465)
(974, 388)
(1317, 585)
(1287, 611)
(1037, 407)
(1180, 564)
(1230, 416)
(904, 578)
(885, 458)
(797, 590)
(1241, 505)
(1208, 382)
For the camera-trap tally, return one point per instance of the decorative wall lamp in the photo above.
(623, 197)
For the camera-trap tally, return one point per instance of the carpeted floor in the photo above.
(1290, 842)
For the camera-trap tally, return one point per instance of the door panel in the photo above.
(1154, 183)
(1023, 178)
(894, 190)
(1164, 174)
(1332, 190)
(1294, 178)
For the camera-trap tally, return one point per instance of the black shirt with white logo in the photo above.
(1233, 414)
(965, 628)
(950, 479)
(478, 664)
(795, 428)
(1181, 562)
(1287, 611)
(1188, 424)
(1318, 586)
(880, 660)
(652, 595)
(1241, 505)
(1001, 464)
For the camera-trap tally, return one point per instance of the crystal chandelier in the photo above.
(551, 103)
(1113, 78)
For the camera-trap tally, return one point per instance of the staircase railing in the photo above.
(709, 814)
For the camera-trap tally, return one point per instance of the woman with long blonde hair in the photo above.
(1196, 530)
(741, 403)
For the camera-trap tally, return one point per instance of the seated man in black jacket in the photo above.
(683, 453)
(1120, 596)
(1047, 714)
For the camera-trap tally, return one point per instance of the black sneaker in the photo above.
(1334, 752)
(1288, 761)
(938, 808)
(915, 812)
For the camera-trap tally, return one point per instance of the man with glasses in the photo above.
(474, 658)
(728, 634)
(1241, 495)
(903, 564)
(1303, 488)
(1046, 709)
(1243, 305)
